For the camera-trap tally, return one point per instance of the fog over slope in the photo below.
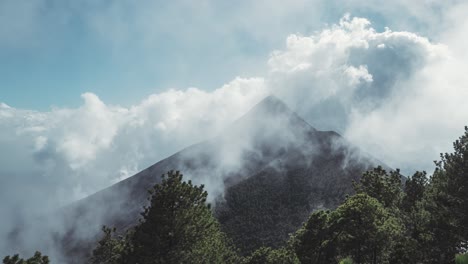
(269, 154)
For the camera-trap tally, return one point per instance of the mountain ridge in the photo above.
(268, 150)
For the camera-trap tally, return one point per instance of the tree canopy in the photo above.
(38, 258)
(177, 227)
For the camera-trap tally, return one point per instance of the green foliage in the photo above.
(36, 259)
(177, 227)
(407, 204)
(347, 260)
(451, 186)
(442, 224)
(367, 229)
(110, 248)
(461, 259)
(266, 255)
(446, 202)
(361, 228)
(414, 190)
(411, 246)
(434, 212)
(386, 188)
(315, 241)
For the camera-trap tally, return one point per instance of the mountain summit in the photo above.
(264, 174)
(271, 105)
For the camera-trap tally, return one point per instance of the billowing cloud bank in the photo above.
(397, 95)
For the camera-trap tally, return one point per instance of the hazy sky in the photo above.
(93, 91)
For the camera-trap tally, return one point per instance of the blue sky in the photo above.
(59, 54)
(53, 51)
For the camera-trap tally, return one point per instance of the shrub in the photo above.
(347, 260)
(461, 259)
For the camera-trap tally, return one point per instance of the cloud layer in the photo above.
(347, 77)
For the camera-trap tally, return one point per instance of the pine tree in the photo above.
(367, 229)
(110, 248)
(455, 167)
(443, 224)
(266, 255)
(384, 187)
(36, 259)
(447, 203)
(315, 242)
(178, 227)
(414, 190)
(412, 246)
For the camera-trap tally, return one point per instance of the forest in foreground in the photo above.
(388, 219)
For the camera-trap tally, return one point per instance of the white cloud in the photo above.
(4, 106)
(98, 143)
(334, 78)
(422, 119)
(340, 64)
(358, 75)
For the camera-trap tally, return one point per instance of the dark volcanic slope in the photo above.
(273, 167)
(265, 208)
